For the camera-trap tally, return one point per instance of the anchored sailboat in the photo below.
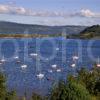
(98, 63)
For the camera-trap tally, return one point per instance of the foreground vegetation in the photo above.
(84, 86)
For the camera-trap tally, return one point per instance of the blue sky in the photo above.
(51, 12)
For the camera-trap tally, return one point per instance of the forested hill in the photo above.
(88, 33)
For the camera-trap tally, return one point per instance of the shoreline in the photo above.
(42, 36)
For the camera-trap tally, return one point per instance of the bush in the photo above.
(36, 97)
(70, 91)
(2, 87)
(4, 95)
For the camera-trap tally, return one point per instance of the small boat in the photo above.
(40, 75)
(98, 64)
(3, 60)
(23, 66)
(16, 57)
(0, 63)
(57, 49)
(33, 54)
(54, 66)
(18, 61)
(73, 65)
(50, 71)
(75, 57)
(58, 70)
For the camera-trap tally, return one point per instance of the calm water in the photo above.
(60, 52)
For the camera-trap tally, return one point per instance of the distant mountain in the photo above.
(89, 32)
(16, 28)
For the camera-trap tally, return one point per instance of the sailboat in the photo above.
(98, 63)
(57, 48)
(40, 75)
(23, 66)
(16, 57)
(75, 57)
(0, 63)
(50, 71)
(73, 65)
(3, 60)
(33, 54)
(58, 70)
(54, 66)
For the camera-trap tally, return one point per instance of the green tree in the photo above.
(4, 94)
(2, 87)
(11, 96)
(70, 91)
(91, 80)
(36, 97)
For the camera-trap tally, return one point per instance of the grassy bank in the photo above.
(28, 35)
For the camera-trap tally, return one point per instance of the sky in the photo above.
(51, 12)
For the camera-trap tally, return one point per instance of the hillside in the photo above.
(88, 33)
(15, 28)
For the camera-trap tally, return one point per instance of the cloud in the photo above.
(9, 9)
(4, 9)
(89, 13)
(13, 9)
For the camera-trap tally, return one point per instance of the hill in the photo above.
(16, 28)
(88, 33)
